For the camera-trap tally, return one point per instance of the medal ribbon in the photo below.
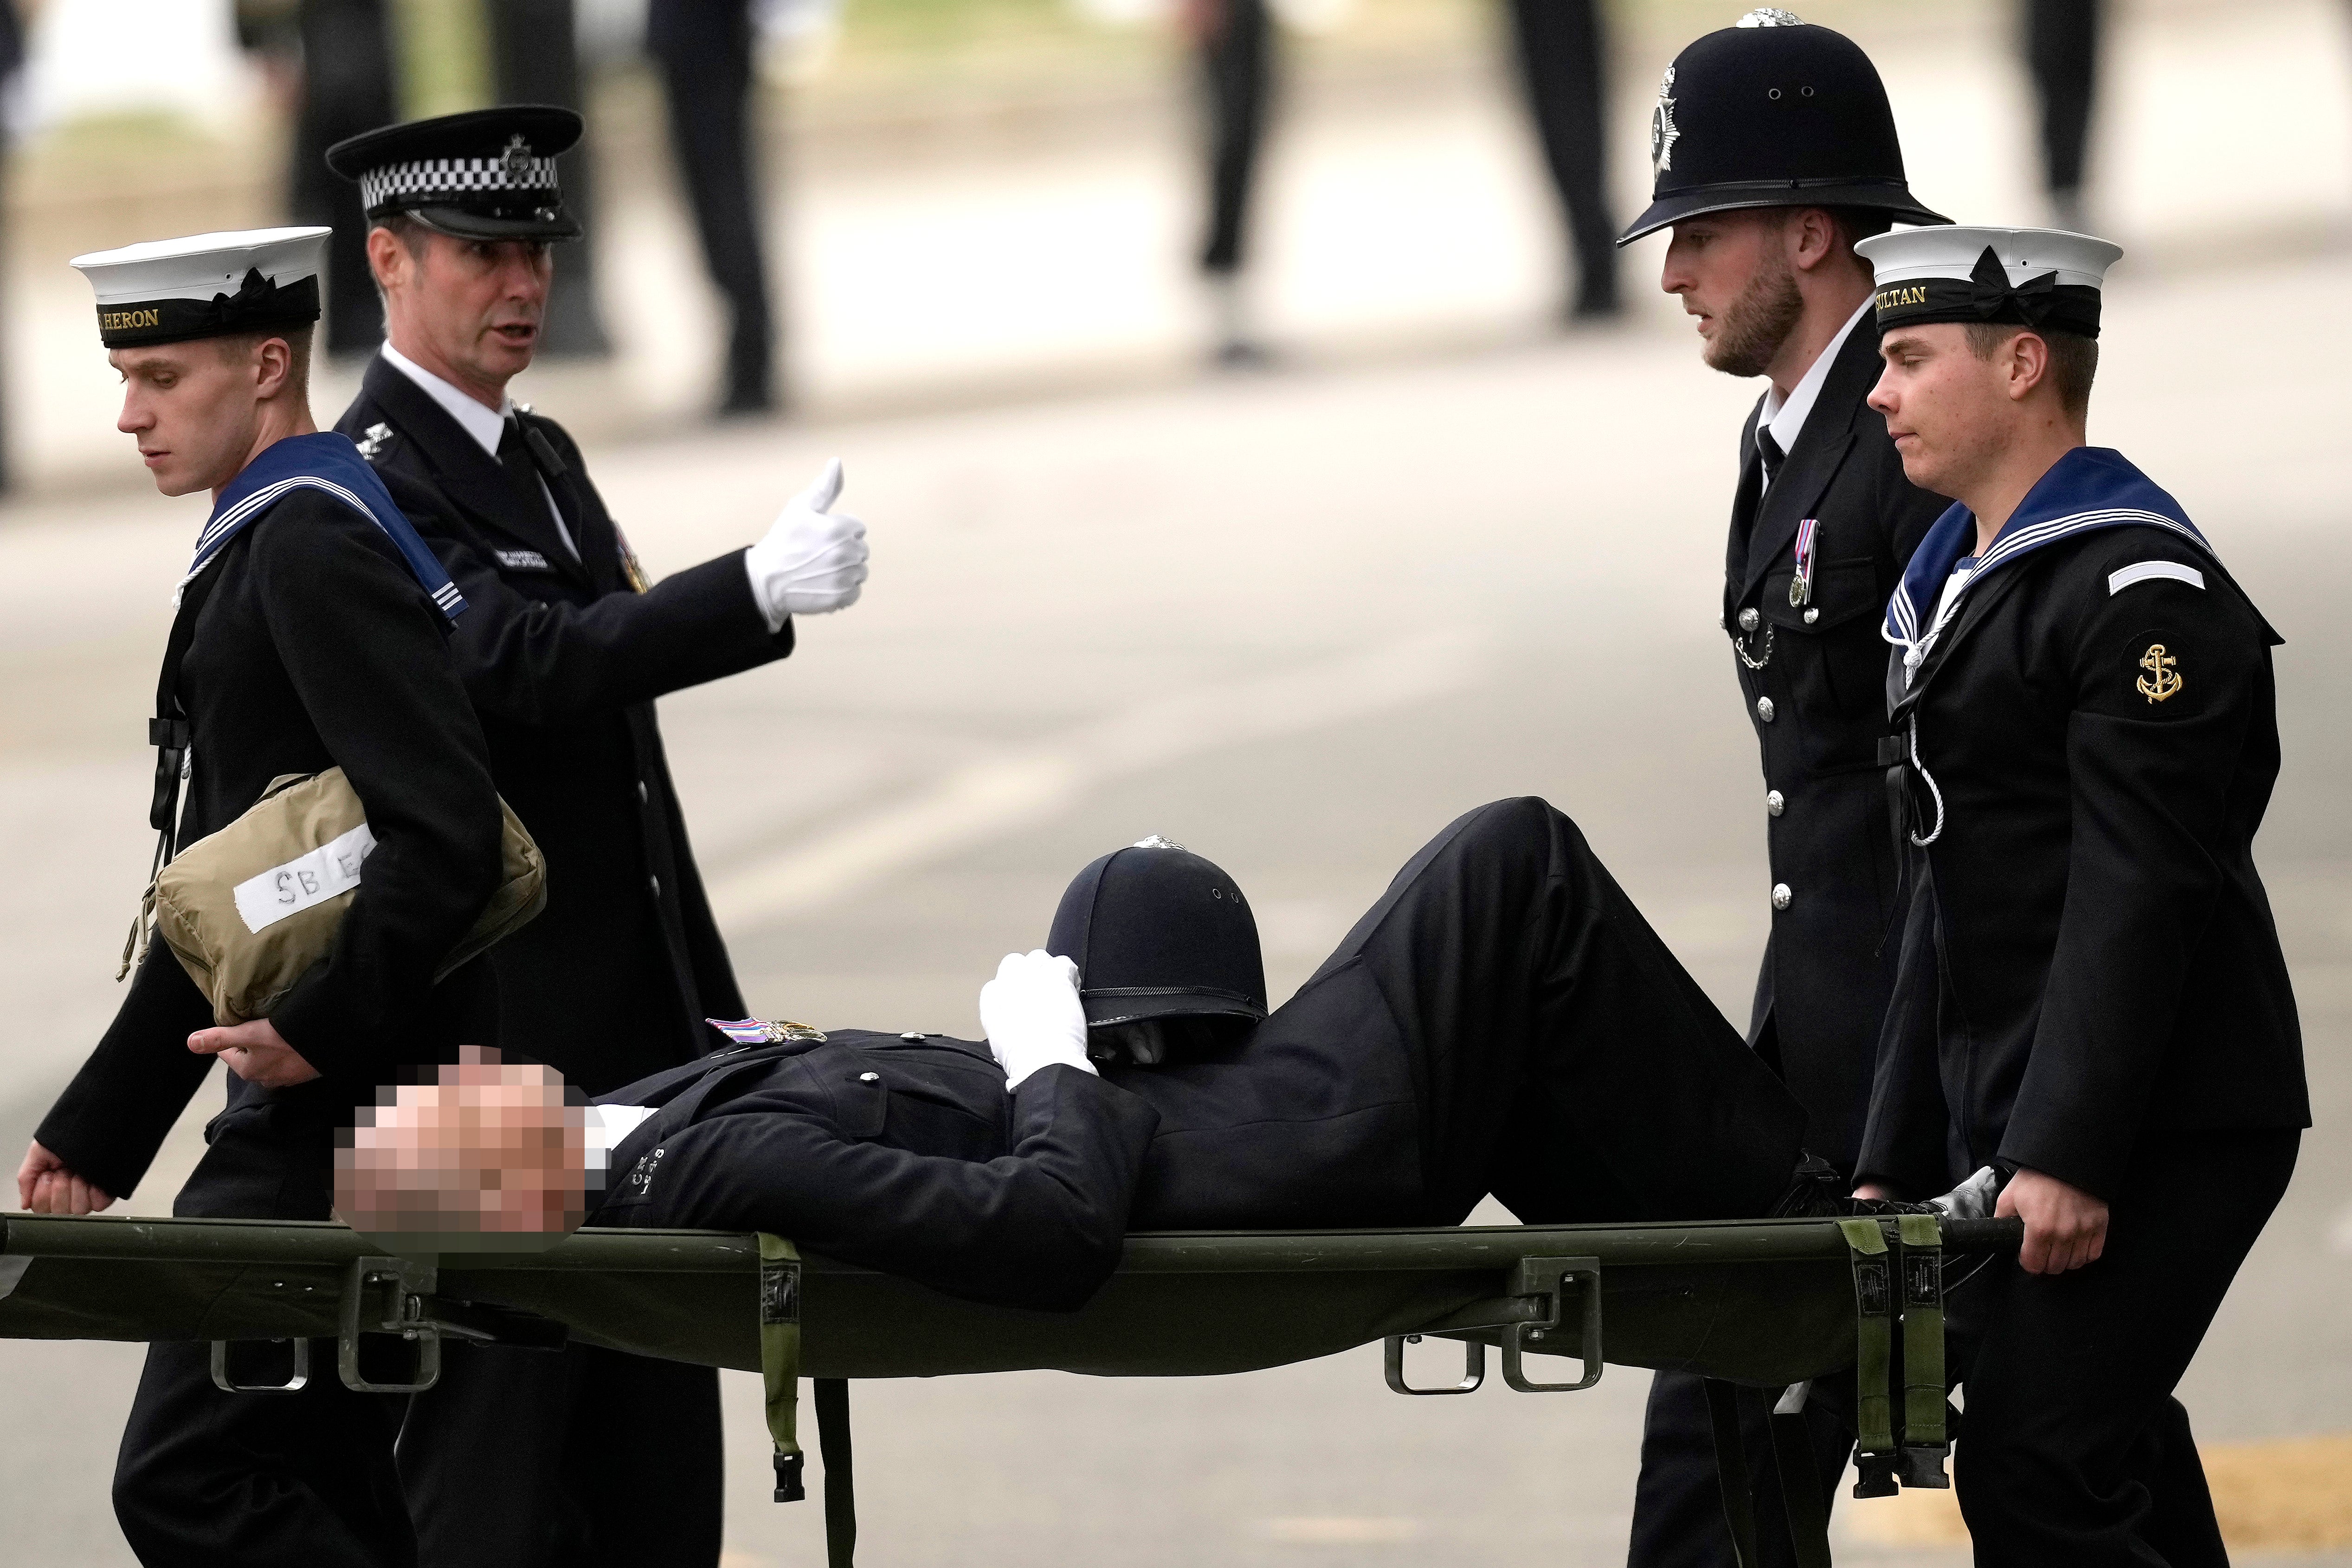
(1801, 586)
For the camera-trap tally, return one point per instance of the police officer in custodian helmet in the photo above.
(565, 648)
(1774, 150)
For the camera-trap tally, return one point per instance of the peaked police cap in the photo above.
(1158, 932)
(488, 173)
(1773, 112)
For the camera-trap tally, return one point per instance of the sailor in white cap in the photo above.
(309, 634)
(2091, 997)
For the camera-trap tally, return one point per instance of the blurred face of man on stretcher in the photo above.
(489, 1157)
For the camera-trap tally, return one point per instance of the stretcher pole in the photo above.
(779, 1358)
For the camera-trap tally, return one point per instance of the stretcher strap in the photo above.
(840, 1488)
(779, 1358)
(1923, 1329)
(1806, 1509)
(1924, 1438)
(1874, 1355)
(1731, 1470)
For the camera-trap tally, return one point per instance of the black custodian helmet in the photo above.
(1158, 932)
(1773, 112)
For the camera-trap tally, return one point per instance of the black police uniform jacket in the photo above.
(1813, 674)
(903, 1154)
(563, 658)
(2089, 965)
(314, 648)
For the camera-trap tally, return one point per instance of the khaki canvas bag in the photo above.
(247, 910)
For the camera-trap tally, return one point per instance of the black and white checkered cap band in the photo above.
(455, 178)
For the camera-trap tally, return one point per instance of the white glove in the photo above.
(812, 560)
(1032, 1017)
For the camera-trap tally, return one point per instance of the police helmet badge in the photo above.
(1661, 126)
(1770, 16)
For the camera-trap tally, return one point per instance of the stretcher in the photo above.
(1750, 1305)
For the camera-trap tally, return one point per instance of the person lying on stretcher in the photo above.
(1503, 1020)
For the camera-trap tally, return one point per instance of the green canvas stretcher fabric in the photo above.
(1765, 1302)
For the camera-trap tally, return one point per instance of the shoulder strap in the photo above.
(168, 730)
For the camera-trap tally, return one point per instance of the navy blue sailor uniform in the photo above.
(2091, 984)
(314, 634)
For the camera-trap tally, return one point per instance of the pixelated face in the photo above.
(193, 408)
(489, 1157)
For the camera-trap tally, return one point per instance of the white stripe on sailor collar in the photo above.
(2009, 547)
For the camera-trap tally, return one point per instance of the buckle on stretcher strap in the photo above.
(780, 1369)
(1901, 1286)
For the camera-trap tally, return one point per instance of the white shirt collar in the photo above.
(485, 426)
(1786, 421)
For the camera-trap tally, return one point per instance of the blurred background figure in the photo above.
(706, 49)
(2062, 52)
(334, 57)
(535, 56)
(1232, 44)
(1563, 64)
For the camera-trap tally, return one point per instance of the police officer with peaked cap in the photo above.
(1774, 150)
(564, 651)
(2092, 996)
(310, 632)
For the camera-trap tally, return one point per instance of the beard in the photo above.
(1757, 322)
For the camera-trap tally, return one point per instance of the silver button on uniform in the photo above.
(1747, 619)
(1764, 709)
(913, 1037)
(1773, 801)
(641, 791)
(1781, 896)
(1811, 616)
(869, 1078)
(654, 883)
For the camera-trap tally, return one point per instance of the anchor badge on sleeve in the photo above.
(2163, 680)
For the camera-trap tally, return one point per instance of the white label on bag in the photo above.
(311, 879)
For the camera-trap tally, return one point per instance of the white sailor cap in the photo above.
(206, 285)
(2021, 278)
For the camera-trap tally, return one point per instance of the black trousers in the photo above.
(705, 48)
(1502, 1022)
(1678, 1503)
(585, 1459)
(347, 88)
(2062, 52)
(1235, 51)
(212, 1479)
(1563, 67)
(2073, 1452)
(534, 45)
(260, 1480)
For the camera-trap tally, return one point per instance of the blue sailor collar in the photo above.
(2089, 488)
(325, 461)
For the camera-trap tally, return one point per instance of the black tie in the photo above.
(1770, 450)
(522, 474)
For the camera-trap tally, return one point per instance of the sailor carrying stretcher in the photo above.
(1502, 1022)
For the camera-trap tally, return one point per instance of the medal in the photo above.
(1801, 586)
(631, 572)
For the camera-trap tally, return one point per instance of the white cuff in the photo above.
(767, 584)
